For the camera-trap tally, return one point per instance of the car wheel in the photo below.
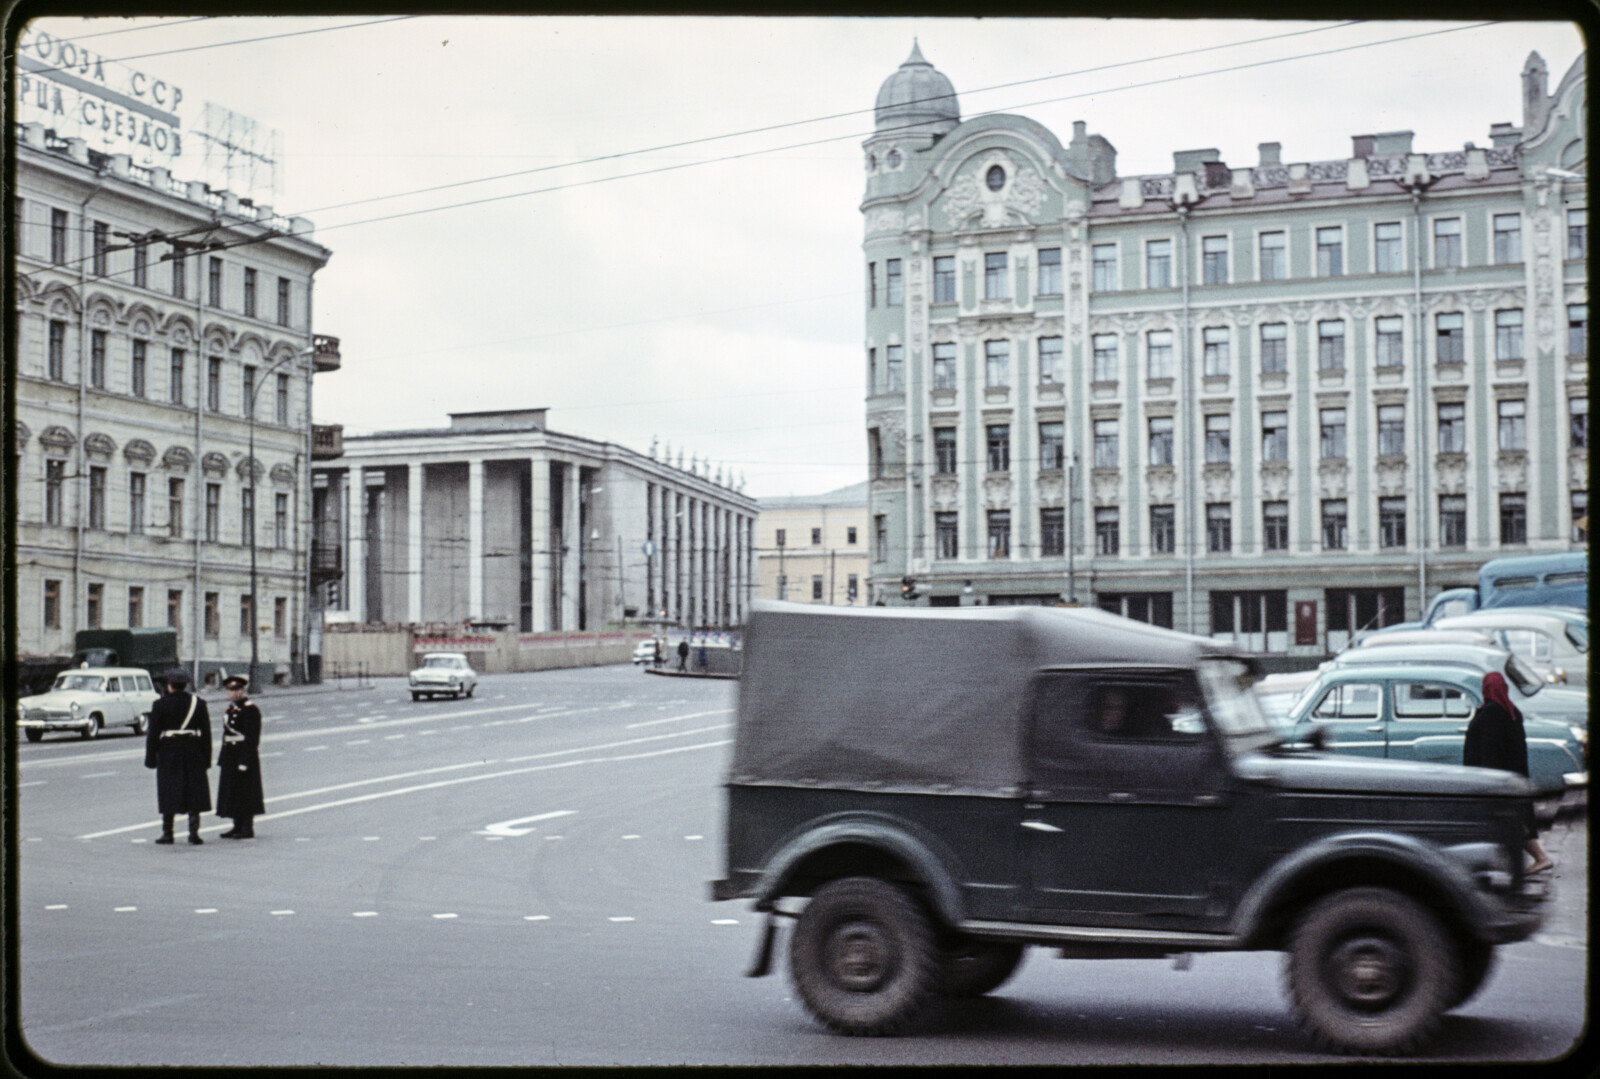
(1477, 963)
(1370, 971)
(472, 689)
(863, 957)
(93, 728)
(141, 724)
(969, 967)
(33, 735)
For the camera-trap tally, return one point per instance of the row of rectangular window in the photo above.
(55, 476)
(94, 611)
(1272, 262)
(1335, 528)
(1216, 350)
(781, 537)
(139, 373)
(1511, 434)
(99, 258)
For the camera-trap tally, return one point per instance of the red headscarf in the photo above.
(1495, 690)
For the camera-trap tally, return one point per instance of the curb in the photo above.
(689, 674)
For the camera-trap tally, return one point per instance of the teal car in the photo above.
(1419, 712)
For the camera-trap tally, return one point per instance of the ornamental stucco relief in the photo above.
(1105, 483)
(1022, 197)
(1511, 471)
(885, 219)
(1333, 478)
(1051, 490)
(1275, 481)
(996, 492)
(944, 492)
(1161, 480)
(1391, 477)
(1450, 473)
(1218, 482)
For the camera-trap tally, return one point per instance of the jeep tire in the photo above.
(1370, 971)
(969, 967)
(863, 957)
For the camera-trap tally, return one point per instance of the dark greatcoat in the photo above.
(180, 760)
(239, 762)
(1495, 739)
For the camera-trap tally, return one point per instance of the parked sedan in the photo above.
(89, 701)
(1529, 690)
(1420, 712)
(1547, 641)
(443, 674)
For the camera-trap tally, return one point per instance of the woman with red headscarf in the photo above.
(1495, 739)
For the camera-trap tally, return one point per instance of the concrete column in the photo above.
(572, 540)
(355, 524)
(539, 540)
(475, 538)
(414, 542)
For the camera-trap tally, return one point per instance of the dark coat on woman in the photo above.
(180, 760)
(239, 762)
(1495, 739)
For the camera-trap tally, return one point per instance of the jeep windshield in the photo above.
(1234, 708)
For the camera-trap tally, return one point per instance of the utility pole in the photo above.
(1072, 529)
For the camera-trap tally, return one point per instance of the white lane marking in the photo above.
(33, 783)
(421, 733)
(358, 742)
(274, 753)
(443, 916)
(473, 779)
(301, 839)
(138, 841)
(426, 838)
(370, 838)
(313, 749)
(676, 719)
(623, 919)
(205, 910)
(494, 839)
(97, 775)
(40, 839)
(279, 913)
(692, 838)
(364, 914)
(509, 827)
(536, 917)
(630, 837)
(724, 921)
(124, 910)
(392, 737)
(56, 906)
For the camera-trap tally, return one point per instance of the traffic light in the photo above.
(908, 589)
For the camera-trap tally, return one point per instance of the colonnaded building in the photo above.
(1271, 402)
(146, 364)
(497, 521)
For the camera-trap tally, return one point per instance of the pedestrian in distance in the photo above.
(683, 655)
(178, 747)
(659, 656)
(702, 658)
(1496, 739)
(239, 762)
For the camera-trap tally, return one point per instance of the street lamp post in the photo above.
(250, 467)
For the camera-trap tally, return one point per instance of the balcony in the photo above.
(327, 441)
(325, 353)
(327, 562)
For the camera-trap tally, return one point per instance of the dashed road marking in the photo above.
(274, 753)
(33, 783)
(364, 914)
(205, 910)
(426, 838)
(370, 838)
(301, 839)
(724, 921)
(536, 917)
(313, 749)
(444, 916)
(97, 775)
(392, 737)
(623, 918)
(56, 906)
(279, 913)
(358, 742)
(692, 838)
(35, 839)
(124, 910)
(421, 733)
(630, 837)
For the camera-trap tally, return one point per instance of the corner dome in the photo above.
(917, 94)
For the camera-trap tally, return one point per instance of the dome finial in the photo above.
(916, 54)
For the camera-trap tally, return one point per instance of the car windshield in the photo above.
(441, 661)
(1579, 636)
(1524, 677)
(92, 683)
(1233, 707)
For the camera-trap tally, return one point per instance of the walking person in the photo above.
(178, 747)
(239, 762)
(659, 654)
(1495, 739)
(683, 655)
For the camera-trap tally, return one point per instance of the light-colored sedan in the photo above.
(89, 701)
(443, 674)
(1555, 645)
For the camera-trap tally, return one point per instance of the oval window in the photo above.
(893, 159)
(996, 178)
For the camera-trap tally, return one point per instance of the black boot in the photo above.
(166, 828)
(243, 827)
(231, 833)
(194, 829)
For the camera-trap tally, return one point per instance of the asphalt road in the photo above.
(520, 879)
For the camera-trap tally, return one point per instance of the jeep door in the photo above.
(1130, 809)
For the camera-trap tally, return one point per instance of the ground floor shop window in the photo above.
(1354, 611)
(1255, 621)
(1152, 608)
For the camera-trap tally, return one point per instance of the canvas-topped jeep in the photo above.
(928, 792)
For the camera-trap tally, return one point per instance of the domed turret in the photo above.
(918, 94)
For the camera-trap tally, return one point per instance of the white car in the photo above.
(88, 701)
(1557, 646)
(443, 674)
(645, 652)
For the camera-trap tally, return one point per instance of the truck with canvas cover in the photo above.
(154, 650)
(928, 792)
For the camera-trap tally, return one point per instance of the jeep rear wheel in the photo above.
(863, 958)
(1370, 971)
(969, 967)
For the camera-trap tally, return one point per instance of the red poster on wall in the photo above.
(1305, 621)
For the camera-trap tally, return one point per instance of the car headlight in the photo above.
(73, 708)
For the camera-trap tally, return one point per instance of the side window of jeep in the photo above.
(1142, 713)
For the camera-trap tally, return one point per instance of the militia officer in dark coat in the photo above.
(239, 762)
(178, 747)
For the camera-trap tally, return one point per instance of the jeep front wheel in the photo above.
(863, 958)
(969, 967)
(1370, 971)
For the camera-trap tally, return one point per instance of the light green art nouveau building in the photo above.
(1272, 402)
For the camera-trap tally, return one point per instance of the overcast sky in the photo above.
(718, 306)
